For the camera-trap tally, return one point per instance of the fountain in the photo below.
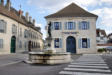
(49, 55)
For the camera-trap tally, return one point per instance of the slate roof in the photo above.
(14, 14)
(72, 10)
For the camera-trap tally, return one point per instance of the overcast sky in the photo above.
(38, 9)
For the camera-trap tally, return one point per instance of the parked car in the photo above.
(109, 48)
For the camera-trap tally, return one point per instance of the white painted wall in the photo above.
(91, 33)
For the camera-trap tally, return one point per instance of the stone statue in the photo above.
(49, 29)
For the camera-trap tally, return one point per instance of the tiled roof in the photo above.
(98, 31)
(72, 10)
(14, 14)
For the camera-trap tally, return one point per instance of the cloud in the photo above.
(38, 25)
(103, 8)
(105, 17)
(105, 14)
(55, 5)
(107, 2)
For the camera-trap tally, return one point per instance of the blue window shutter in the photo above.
(80, 26)
(60, 43)
(60, 24)
(52, 26)
(80, 43)
(65, 25)
(74, 25)
(88, 25)
(54, 43)
(88, 42)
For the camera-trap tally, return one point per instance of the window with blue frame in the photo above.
(56, 42)
(57, 25)
(70, 25)
(84, 25)
(84, 43)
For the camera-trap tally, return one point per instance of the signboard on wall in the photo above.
(69, 32)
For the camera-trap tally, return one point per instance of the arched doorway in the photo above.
(13, 44)
(71, 44)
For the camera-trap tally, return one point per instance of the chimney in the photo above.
(8, 5)
(2, 2)
(20, 13)
(27, 16)
(30, 19)
(33, 21)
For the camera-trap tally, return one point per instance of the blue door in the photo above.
(71, 44)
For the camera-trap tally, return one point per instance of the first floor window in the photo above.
(70, 25)
(57, 25)
(14, 29)
(26, 33)
(84, 25)
(84, 43)
(1, 43)
(58, 43)
(2, 26)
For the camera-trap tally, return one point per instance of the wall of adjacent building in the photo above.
(7, 36)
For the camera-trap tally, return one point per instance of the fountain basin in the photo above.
(54, 58)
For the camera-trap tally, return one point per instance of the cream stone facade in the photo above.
(75, 33)
(18, 37)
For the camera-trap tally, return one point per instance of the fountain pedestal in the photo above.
(54, 58)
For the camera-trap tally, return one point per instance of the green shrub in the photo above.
(102, 50)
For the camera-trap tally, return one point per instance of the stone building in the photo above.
(17, 32)
(73, 30)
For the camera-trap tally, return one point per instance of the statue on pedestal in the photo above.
(49, 30)
(49, 38)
